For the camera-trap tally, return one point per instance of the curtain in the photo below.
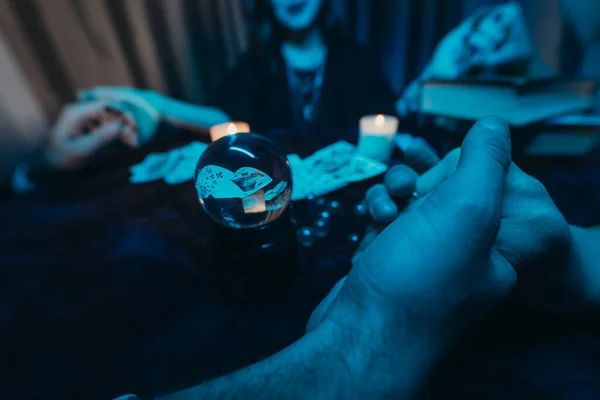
(180, 47)
(402, 33)
(51, 48)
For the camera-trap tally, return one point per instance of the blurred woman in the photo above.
(304, 78)
(301, 75)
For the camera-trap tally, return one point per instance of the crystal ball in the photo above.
(243, 181)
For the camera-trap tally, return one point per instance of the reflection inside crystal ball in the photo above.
(243, 181)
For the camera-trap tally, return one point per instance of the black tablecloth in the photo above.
(109, 288)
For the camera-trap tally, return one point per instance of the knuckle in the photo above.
(497, 148)
(375, 190)
(548, 224)
(468, 207)
(527, 185)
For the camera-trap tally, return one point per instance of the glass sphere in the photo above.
(243, 181)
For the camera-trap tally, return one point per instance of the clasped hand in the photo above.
(430, 268)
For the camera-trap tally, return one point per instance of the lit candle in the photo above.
(254, 203)
(376, 136)
(228, 128)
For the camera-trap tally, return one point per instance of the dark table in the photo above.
(109, 288)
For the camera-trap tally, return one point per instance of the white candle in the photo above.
(254, 203)
(376, 136)
(228, 128)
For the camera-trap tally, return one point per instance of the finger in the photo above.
(446, 242)
(75, 116)
(438, 173)
(420, 156)
(137, 101)
(469, 24)
(100, 92)
(508, 14)
(401, 181)
(476, 189)
(97, 138)
(459, 220)
(380, 205)
(130, 121)
(129, 136)
(486, 155)
(486, 42)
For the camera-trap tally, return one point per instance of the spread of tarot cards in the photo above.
(328, 169)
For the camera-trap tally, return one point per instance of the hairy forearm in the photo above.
(192, 115)
(327, 363)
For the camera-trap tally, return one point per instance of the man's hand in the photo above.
(433, 270)
(534, 236)
(69, 147)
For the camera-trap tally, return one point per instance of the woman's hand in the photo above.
(489, 38)
(82, 129)
(147, 107)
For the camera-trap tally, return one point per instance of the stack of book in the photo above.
(542, 106)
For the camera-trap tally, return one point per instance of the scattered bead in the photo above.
(321, 227)
(306, 237)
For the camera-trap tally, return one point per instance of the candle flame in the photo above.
(379, 120)
(231, 129)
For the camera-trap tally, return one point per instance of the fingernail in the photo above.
(494, 124)
(113, 111)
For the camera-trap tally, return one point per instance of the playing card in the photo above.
(183, 168)
(183, 171)
(298, 176)
(330, 158)
(250, 180)
(276, 191)
(192, 150)
(362, 168)
(151, 168)
(174, 166)
(328, 184)
(330, 169)
(295, 163)
(216, 181)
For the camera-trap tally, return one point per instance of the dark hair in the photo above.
(266, 33)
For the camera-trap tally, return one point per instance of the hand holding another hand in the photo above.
(82, 129)
(434, 270)
(533, 236)
(491, 37)
(147, 107)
